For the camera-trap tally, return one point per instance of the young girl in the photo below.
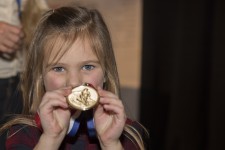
(72, 46)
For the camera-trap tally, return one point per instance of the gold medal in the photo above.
(83, 97)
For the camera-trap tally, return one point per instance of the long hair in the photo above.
(31, 14)
(63, 26)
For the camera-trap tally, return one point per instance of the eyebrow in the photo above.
(91, 61)
(82, 62)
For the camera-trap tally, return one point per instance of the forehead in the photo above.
(59, 47)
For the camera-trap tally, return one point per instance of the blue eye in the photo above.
(58, 69)
(88, 67)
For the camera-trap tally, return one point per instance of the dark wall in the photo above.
(183, 74)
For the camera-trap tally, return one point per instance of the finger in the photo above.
(16, 30)
(112, 106)
(52, 96)
(5, 49)
(117, 112)
(53, 104)
(11, 43)
(104, 93)
(56, 94)
(10, 46)
(109, 106)
(13, 37)
(111, 101)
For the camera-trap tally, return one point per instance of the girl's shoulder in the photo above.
(23, 129)
(136, 131)
(137, 126)
(21, 135)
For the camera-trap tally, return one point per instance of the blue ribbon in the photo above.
(88, 117)
(75, 127)
(19, 8)
(90, 124)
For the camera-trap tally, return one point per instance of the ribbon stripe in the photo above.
(87, 116)
(90, 124)
(76, 125)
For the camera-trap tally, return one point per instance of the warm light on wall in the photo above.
(124, 20)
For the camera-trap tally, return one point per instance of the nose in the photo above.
(73, 79)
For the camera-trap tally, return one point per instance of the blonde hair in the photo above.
(31, 14)
(66, 24)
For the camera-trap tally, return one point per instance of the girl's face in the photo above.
(77, 66)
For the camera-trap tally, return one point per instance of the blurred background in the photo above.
(171, 61)
(183, 74)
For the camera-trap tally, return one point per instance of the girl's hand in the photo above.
(109, 119)
(55, 116)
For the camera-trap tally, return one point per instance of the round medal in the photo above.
(83, 97)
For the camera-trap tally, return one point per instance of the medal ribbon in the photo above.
(90, 124)
(74, 125)
(75, 122)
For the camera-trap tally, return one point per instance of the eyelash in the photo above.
(90, 67)
(58, 69)
(85, 67)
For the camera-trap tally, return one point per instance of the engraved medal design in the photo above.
(83, 97)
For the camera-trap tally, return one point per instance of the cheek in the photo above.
(96, 80)
(53, 83)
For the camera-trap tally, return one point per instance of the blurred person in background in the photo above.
(17, 20)
(11, 37)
